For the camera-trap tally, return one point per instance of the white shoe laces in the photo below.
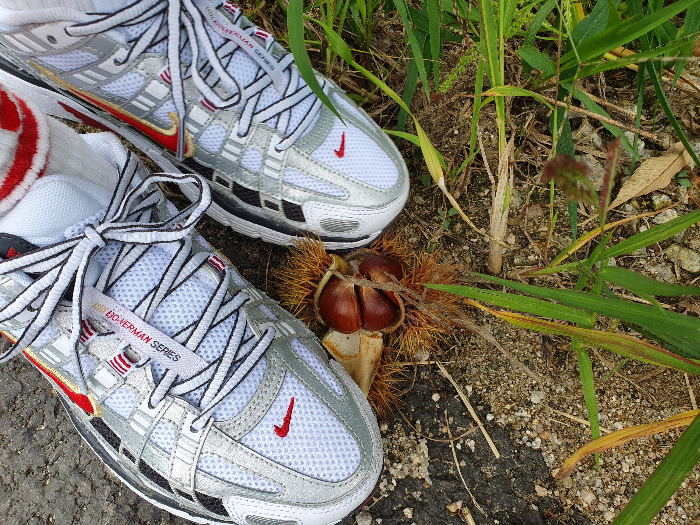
(200, 18)
(128, 221)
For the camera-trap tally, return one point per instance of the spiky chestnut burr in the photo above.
(357, 314)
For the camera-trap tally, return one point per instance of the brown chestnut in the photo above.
(338, 306)
(378, 312)
(379, 268)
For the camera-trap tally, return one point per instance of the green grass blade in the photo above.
(594, 23)
(663, 101)
(585, 370)
(295, 25)
(624, 33)
(413, 139)
(512, 91)
(623, 345)
(667, 477)
(410, 84)
(489, 48)
(535, 58)
(535, 25)
(682, 330)
(652, 235)
(415, 46)
(478, 87)
(638, 283)
(434, 23)
(634, 59)
(616, 132)
(519, 302)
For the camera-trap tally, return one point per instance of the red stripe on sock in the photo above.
(26, 150)
(9, 115)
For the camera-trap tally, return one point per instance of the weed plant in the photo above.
(560, 42)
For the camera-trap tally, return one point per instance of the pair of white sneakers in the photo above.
(197, 390)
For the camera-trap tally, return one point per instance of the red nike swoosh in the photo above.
(165, 137)
(284, 429)
(340, 153)
(79, 399)
(87, 403)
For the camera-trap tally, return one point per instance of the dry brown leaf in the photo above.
(621, 437)
(653, 174)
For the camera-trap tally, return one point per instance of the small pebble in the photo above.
(364, 518)
(661, 201)
(454, 507)
(537, 396)
(687, 259)
(541, 491)
(665, 216)
(587, 495)
(408, 512)
(436, 397)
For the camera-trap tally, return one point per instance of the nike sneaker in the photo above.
(199, 392)
(199, 88)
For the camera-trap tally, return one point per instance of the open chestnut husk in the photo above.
(421, 324)
(357, 314)
(347, 307)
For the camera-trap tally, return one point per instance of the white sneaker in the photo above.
(193, 387)
(278, 161)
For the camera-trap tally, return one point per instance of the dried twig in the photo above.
(601, 118)
(437, 440)
(579, 420)
(499, 206)
(473, 413)
(690, 392)
(468, 517)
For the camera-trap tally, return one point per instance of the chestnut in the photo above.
(379, 268)
(357, 315)
(338, 306)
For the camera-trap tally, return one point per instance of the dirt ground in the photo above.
(48, 476)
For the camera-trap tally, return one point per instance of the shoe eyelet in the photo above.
(51, 39)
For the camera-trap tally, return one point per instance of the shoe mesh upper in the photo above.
(126, 86)
(163, 436)
(362, 158)
(70, 61)
(252, 159)
(317, 444)
(315, 364)
(122, 401)
(212, 138)
(298, 178)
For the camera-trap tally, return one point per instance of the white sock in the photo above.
(33, 145)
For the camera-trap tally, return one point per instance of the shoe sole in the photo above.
(53, 101)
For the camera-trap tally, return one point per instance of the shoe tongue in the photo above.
(53, 204)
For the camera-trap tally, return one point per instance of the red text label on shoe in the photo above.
(284, 429)
(141, 336)
(235, 34)
(340, 153)
(12, 253)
